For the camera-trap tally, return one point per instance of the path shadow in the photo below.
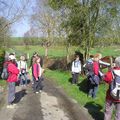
(19, 95)
(83, 86)
(95, 110)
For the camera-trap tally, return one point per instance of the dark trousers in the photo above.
(37, 85)
(75, 78)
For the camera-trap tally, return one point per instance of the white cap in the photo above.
(12, 57)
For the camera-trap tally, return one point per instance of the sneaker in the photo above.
(10, 106)
(36, 92)
(40, 91)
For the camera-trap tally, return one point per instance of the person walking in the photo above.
(112, 77)
(12, 79)
(76, 69)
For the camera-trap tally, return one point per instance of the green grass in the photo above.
(60, 51)
(95, 107)
(2, 83)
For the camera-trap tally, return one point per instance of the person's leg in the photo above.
(73, 78)
(40, 84)
(108, 110)
(26, 78)
(77, 76)
(117, 107)
(11, 92)
(35, 86)
(21, 80)
(95, 90)
(90, 93)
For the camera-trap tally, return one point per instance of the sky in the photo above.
(19, 28)
(22, 26)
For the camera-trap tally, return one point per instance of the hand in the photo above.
(36, 79)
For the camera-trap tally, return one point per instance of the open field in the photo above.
(60, 51)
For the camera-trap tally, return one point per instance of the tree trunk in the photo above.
(46, 51)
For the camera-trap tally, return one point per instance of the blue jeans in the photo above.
(93, 89)
(23, 77)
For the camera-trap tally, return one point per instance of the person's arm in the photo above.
(80, 67)
(73, 67)
(13, 69)
(104, 63)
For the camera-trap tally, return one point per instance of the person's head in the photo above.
(37, 59)
(12, 58)
(22, 58)
(117, 62)
(77, 57)
(97, 57)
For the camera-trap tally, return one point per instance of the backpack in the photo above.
(115, 87)
(5, 73)
(89, 68)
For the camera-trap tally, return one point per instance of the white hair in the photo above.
(117, 61)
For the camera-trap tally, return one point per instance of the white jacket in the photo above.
(76, 66)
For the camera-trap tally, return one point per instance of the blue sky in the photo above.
(19, 28)
(22, 25)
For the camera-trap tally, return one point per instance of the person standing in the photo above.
(22, 66)
(12, 79)
(37, 75)
(95, 75)
(112, 77)
(76, 69)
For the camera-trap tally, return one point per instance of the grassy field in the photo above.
(60, 51)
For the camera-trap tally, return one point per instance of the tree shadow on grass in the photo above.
(95, 110)
(19, 95)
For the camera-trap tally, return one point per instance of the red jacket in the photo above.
(13, 72)
(108, 79)
(36, 70)
(96, 68)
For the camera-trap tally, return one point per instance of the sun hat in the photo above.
(11, 57)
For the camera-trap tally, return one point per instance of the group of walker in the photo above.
(18, 73)
(94, 76)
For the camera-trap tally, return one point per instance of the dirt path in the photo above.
(51, 104)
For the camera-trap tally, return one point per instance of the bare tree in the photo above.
(46, 21)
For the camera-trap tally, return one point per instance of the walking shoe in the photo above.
(10, 106)
(40, 91)
(36, 92)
